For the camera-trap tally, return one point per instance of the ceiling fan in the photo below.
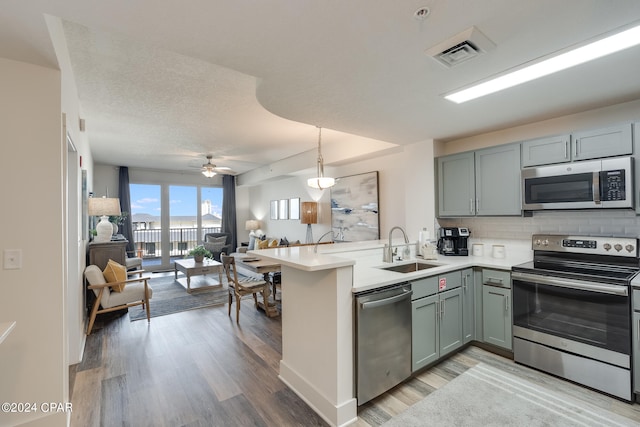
(210, 170)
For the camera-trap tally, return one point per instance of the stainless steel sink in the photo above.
(409, 268)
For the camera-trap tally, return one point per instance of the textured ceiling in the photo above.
(164, 83)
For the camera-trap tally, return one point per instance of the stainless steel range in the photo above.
(572, 310)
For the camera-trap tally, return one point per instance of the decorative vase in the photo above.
(198, 258)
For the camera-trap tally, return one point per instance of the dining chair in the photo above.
(240, 287)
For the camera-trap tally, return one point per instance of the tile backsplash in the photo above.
(607, 222)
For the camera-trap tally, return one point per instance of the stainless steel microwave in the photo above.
(606, 183)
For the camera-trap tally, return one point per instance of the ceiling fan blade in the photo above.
(224, 171)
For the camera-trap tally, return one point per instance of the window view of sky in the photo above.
(145, 198)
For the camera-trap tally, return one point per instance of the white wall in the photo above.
(405, 188)
(75, 312)
(33, 367)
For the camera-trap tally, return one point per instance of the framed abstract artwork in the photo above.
(354, 208)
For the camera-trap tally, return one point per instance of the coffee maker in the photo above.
(453, 241)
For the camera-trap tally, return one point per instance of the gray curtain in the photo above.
(229, 208)
(126, 229)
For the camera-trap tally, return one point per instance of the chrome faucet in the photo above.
(315, 249)
(388, 256)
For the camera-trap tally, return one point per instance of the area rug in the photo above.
(169, 297)
(486, 396)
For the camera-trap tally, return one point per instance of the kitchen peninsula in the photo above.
(317, 314)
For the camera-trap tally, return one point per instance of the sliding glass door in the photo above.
(170, 220)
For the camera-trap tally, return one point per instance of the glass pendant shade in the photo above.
(320, 181)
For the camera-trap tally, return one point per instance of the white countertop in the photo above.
(366, 258)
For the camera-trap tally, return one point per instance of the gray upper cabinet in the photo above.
(546, 151)
(591, 144)
(607, 142)
(484, 182)
(498, 189)
(456, 185)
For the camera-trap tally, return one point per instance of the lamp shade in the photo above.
(104, 207)
(309, 212)
(252, 224)
(101, 206)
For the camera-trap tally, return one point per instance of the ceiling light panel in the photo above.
(580, 55)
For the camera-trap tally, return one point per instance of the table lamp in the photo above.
(309, 212)
(104, 207)
(254, 226)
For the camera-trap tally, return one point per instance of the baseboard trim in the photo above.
(338, 415)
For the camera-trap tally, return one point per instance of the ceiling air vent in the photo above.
(460, 48)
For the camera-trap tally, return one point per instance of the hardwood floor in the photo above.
(200, 368)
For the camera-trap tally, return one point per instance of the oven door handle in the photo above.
(572, 284)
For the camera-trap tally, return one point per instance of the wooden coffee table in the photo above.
(191, 268)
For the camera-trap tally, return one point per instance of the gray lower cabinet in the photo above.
(496, 316)
(425, 342)
(636, 351)
(436, 318)
(635, 330)
(468, 306)
(450, 329)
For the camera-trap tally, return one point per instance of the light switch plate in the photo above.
(12, 259)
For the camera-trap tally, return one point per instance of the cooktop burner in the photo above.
(605, 259)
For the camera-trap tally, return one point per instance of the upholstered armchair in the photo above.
(116, 295)
(217, 243)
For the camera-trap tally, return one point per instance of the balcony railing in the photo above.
(181, 240)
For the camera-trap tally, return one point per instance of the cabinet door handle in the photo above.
(470, 206)
(566, 150)
(577, 145)
(477, 206)
(443, 308)
(506, 305)
(464, 284)
(638, 331)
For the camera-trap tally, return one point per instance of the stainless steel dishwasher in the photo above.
(383, 340)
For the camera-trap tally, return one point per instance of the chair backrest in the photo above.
(227, 235)
(95, 277)
(229, 265)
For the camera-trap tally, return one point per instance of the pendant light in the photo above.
(320, 181)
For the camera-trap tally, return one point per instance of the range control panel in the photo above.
(618, 246)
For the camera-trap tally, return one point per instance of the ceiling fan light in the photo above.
(208, 173)
(321, 182)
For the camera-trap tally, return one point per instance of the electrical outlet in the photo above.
(12, 259)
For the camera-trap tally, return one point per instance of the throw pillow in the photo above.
(115, 272)
(284, 242)
(273, 243)
(262, 244)
(219, 240)
(215, 244)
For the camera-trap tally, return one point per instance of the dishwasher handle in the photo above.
(386, 301)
